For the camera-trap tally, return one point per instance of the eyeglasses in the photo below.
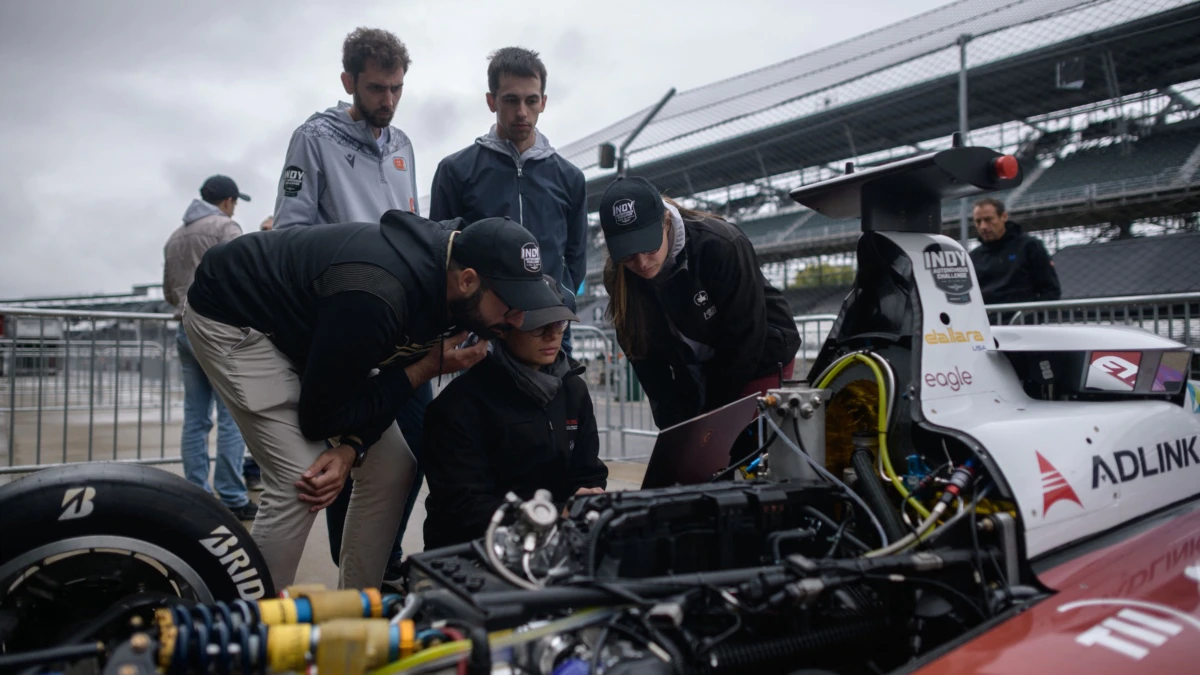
(554, 328)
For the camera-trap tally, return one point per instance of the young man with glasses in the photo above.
(519, 421)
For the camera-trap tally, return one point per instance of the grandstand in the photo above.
(1099, 99)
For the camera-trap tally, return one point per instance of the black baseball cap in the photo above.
(631, 213)
(219, 188)
(508, 257)
(537, 318)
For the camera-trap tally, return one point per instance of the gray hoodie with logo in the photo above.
(335, 172)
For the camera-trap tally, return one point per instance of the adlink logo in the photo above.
(934, 337)
(1131, 465)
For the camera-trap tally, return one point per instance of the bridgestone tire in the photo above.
(134, 502)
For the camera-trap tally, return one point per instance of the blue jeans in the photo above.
(411, 420)
(198, 401)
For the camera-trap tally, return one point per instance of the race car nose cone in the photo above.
(1006, 167)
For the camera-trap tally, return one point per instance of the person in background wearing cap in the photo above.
(208, 221)
(520, 421)
(291, 327)
(691, 308)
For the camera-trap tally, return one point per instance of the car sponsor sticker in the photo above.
(951, 272)
(1124, 466)
(1055, 487)
(1113, 371)
(1194, 397)
(954, 379)
(950, 336)
(1172, 372)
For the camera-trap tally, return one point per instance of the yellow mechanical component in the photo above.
(288, 647)
(328, 605)
(853, 409)
(277, 612)
(376, 600)
(351, 646)
(408, 637)
(167, 634)
(881, 426)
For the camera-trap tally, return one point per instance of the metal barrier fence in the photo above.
(85, 386)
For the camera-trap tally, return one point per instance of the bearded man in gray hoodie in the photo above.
(207, 222)
(348, 164)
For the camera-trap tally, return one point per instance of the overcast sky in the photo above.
(115, 111)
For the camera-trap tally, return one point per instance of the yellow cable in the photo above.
(882, 423)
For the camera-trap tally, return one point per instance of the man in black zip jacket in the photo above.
(518, 422)
(513, 171)
(320, 333)
(1011, 266)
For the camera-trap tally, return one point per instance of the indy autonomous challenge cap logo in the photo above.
(951, 272)
(532, 257)
(624, 212)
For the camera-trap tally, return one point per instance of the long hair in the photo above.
(629, 299)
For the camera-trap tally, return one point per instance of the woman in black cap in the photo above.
(519, 421)
(692, 310)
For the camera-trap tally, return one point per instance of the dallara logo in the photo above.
(935, 337)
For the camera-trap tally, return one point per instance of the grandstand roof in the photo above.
(895, 86)
(1139, 266)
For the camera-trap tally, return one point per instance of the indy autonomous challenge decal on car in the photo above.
(951, 272)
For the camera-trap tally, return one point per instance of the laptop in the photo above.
(690, 452)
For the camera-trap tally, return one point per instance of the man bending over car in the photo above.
(290, 326)
(520, 421)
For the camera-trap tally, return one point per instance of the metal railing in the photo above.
(1175, 315)
(86, 386)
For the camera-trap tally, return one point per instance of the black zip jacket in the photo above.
(485, 437)
(715, 295)
(1015, 268)
(540, 190)
(337, 300)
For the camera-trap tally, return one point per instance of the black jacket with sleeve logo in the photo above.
(484, 438)
(338, 301)
(1015, 268)
(715, 295)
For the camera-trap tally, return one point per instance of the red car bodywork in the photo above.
(1132, 606)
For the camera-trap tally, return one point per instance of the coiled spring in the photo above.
(222, 637)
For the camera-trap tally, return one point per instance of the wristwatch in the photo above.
(360, 452)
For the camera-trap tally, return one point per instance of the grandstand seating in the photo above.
(1159, 156)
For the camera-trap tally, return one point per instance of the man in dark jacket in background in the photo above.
(513, 172)
(1011, 266)
(520, 421)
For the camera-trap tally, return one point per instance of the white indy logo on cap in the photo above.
(623, 211)
(532, 257)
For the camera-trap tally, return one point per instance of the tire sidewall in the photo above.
(138, 502)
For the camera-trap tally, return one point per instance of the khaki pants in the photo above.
(261, 388)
